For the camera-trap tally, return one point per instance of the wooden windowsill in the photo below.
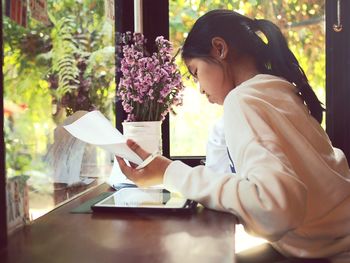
(61, 236)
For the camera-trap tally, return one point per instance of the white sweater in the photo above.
(291, 186)
(217, 157)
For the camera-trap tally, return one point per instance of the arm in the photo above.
(266, 194)
(266, 198)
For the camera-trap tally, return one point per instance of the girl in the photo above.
(291, 186)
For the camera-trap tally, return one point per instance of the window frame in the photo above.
(338, 114)
(338, 118)
(338, 77)
(3, 218)
(155, 23)
(337, 55)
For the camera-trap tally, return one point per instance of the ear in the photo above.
(220, 48)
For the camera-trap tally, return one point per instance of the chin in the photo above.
(214, 101)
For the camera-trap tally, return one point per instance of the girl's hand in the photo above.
(152, 174)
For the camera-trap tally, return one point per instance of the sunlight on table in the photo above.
(245, 241)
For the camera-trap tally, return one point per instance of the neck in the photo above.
(243, 69)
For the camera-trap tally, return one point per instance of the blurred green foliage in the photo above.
(302, 23)
(51, 71)
(53, 79)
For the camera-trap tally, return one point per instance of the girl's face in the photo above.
(213, 79)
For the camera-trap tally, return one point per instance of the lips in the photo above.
(208, 97)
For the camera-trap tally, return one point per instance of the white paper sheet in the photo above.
(95, 129)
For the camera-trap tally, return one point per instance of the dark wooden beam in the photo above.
(337, 76)
(3, 222)
(156, 23)
(124, 21)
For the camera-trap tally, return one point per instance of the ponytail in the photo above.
(280, 61)
(241, 33)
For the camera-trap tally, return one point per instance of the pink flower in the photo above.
(151, 84)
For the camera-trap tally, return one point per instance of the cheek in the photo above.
(212, 76)
(217, 81)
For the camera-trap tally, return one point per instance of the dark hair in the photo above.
(242, 34)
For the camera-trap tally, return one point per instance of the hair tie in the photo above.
(259, 32)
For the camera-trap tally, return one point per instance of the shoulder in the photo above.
(264, 95)
(256, 107)
(263, 88)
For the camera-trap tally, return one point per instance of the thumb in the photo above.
(137, 149)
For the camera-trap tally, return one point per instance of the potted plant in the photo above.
(150, 87)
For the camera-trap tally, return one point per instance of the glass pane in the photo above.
(302, 23)
(55, 69)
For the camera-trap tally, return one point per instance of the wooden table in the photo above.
(63, 237)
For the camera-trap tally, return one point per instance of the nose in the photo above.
(201, 90)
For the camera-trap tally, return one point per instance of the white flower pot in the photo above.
(148, 134)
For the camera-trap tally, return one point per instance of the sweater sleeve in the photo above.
(265, 194)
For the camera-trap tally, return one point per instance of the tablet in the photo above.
(144, 199)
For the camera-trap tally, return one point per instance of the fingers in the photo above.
(137, 149)
(130, 172)
(127, 170)
(123, 166)
(152, 174)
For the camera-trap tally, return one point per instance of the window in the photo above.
(55, 66)
(302, 23)
(337, 72)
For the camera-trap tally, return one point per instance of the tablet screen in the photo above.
(143, 198)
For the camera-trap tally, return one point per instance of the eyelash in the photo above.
(195, 80)
(195, 73)
(192, 76)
